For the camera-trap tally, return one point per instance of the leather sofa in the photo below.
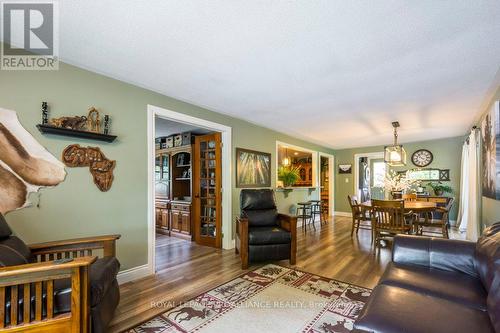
(262, 233)
(103, 285)
(437, 285)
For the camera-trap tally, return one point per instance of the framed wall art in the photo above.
(253, 168)
(345, 168)
(490, 132)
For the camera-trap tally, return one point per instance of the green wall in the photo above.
(490, 207)
(76, 208)
(447, 155)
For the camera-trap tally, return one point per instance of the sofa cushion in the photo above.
(262, 218)
(14, 252)
(259, 207)
(488, 255)
(392, 309)
(102, 313)
(268, 235)
(102, 274)
(488, 266)
(269, 252)
(257, 199)
(456, 287)
(444, 254)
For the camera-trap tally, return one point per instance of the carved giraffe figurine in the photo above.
(93, 121)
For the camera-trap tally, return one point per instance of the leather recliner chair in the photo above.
(437, 285)
(261, 232)
(103, 285)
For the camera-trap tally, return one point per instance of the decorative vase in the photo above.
(438, 192)
(396, 195)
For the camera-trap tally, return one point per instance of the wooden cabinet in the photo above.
(173, 188)
(162, 175)
(162, 216)
(174, 218)
(186, 223)
(176, 221)
(165, 219)
(181, 217)
(306, 175)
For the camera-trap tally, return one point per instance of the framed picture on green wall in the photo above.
(490, 132)
(253, 168)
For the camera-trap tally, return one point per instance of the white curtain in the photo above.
(469, 218)
(463, 206)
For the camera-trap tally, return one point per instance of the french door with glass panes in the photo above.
(207, 182)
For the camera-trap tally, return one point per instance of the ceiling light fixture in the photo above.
(395, 155)
(286, 160)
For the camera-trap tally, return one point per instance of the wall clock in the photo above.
(422, 158)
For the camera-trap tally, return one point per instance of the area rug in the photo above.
(269, 299)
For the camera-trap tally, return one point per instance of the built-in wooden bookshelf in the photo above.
(174, 191)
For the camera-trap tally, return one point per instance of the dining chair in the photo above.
(438, 219)
(389, 219)
(410, 197)
(358, 216)
(316, 210)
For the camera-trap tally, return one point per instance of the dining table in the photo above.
(418, 208)
(414, 206)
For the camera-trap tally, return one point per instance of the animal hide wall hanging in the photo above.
(25, 165)
(100, 167)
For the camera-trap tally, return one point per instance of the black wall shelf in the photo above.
(48, 129)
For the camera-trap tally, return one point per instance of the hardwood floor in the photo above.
(186, 270)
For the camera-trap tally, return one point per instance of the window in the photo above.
(300, 161)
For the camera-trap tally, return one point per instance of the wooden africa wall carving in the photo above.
(100, 167)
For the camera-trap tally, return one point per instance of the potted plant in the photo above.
(439, 189)
(288, 175)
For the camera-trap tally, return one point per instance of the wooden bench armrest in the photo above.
(46, 266)
(287, 222)
(39, 309)
(241, 226)
(107, 243)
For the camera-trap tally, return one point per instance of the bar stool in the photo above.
(304, 212)
(316, 210)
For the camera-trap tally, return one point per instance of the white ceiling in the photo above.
(332, 72)
(164, 127)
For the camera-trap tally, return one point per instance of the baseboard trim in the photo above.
(134, 273)
(345, 214)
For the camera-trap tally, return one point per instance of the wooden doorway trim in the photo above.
(356, 166)
(226, 133)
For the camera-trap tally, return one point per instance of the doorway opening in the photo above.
(188, 169)
(326, 182)
(369, 175)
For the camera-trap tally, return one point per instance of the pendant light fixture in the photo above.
(395, 155)
(286, 160)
